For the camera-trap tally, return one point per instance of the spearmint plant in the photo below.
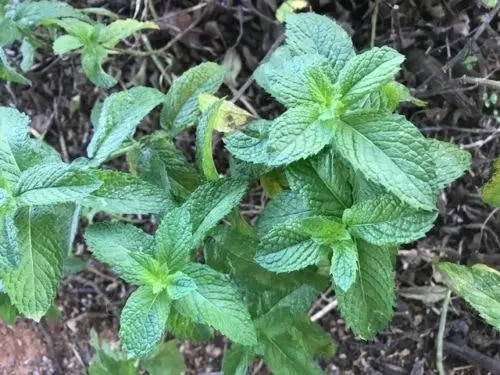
(19, 20)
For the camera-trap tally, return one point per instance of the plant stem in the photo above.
(481, 81)
(440, 336)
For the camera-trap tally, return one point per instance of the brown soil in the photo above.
(434, 35)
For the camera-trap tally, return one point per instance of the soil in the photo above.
(435, 36)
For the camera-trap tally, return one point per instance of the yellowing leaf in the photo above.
(230, 117)
(289, 6)
(491, 191)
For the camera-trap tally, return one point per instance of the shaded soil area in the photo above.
(444, 41)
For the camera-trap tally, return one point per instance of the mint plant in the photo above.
(19, 22)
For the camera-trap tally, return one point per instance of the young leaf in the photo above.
(123, 193)
(166, 360)
(368, 71)
(386, 220)
(143, 321)
(43, 238)
(323, 182)
(404, 166)
(478, 285)
(251, 145)
(92, 58)
(174, 239)
(180, 285)
(237, 360)
(290, 81)
(285, 207)
(66, 43)
(118, 118)
(180, 108)
(211, 202)
(54, 183)
(297, 134)
(287, 247)
(218, 303)
(491, 191)
(127, 249)
(344, 264)
(8, 73)
(325, 231)
(204, 147)
(111, 35)
(28, 52)
(367, 304)
(283, 356)
(450, 160)
(310, 33)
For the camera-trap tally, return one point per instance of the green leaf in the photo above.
(325, 231)
(180, 285)
(368, 71)
(65, 44)
(8, 73)
(28, 52)
(211, 202)
(127, 249)
(283, 356)
(123, 193)
(174, 239)
(386, 220)
(180, 109)
(32, 13)
(285, 207)
(491, 191)
(450, 160)
(143, 321)
(107, 361)
(237, 360)
(111, 35)
(10, 31)
(311, 33)
(218, 303)
(54, 183)
(404, 166)
(9, 247)
(251, 145)
(166, 360)
(297, 134)
(184, 328)
(344, 264)
(204, 147)
(118, 119)
(367, 305)
(294, 81)
(323, 182)
(312, 337)
(287, 247)
(8, 312)
(44, 235)
(478, 285)
(92, 58)
(84, 31)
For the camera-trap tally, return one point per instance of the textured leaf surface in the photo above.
(451, 162)
(166, 360)
(123, 193)
(211, 202)
(180, 108)
(344, 264)
(180, 285)
(118, 118)
(311, 33)
(285, 207)
(237, 360)
(127, 249)
(386, 220)
(287, 247)
(43, 238)
(491, 191)
(290, 81)
(143, 321)
(296, 134)
(54, 183)
(479, 285)
(218, 303)
(390, 151)
(367, 305)
(9, 248)
(323, 181)
(368, 71)
(251, 145)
